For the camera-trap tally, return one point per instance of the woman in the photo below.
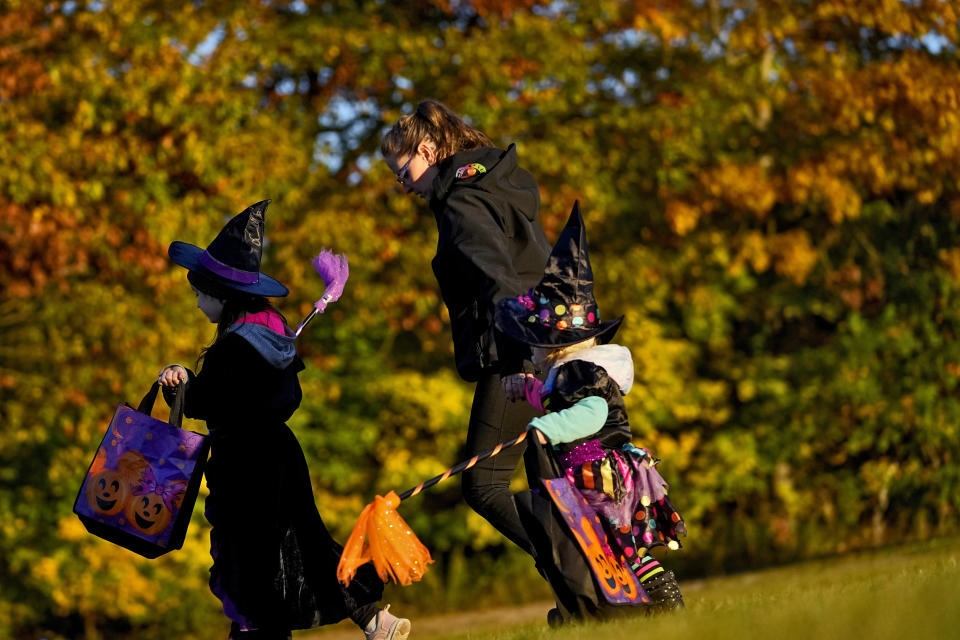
(274, 563)
(491, 245)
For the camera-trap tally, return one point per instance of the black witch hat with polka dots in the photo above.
(561, 309)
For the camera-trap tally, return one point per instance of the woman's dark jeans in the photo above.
(486, 487)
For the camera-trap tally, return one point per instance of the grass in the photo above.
(896, 594)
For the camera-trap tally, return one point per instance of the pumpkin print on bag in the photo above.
(154, 504)
(108, 490)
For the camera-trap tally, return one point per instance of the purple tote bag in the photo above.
(143, 482)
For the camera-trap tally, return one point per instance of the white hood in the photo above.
(614, 358)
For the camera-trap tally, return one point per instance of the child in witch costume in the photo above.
(586, 421)
(274, 563)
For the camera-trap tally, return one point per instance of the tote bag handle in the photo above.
(176, 409)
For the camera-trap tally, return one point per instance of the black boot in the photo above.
(664, 593)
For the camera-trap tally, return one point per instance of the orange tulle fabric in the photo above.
(381, 536)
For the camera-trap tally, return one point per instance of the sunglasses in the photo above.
(402, 173)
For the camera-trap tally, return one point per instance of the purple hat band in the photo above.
(228, 272)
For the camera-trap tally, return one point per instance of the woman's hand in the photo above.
(172, 375)
(514, 386)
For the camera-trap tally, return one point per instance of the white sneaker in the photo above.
(389, 627)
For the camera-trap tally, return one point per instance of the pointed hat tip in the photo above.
(257, 209)
(576, 218)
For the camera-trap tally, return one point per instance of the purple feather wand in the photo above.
(334, 270)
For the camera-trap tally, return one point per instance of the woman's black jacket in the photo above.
(491, 245)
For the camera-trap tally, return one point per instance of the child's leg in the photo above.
(364, 615)
(659, 583)
(380, 624)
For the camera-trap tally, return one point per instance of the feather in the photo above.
(334, 270)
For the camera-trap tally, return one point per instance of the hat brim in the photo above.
(511, 319)
(188, 256)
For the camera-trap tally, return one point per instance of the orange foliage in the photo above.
(771, 191)
(794, 255)
(741, 188)
(681, 216)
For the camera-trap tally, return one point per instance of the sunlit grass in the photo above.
(898, 593)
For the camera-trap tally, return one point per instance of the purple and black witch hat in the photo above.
(561, 309)
(233, 258)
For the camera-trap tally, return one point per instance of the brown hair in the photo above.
(434, 122)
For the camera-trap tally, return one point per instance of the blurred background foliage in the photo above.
(771, 191)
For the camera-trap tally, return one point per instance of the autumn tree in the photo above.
(771, 198)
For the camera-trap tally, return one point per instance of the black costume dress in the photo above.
(274, 561)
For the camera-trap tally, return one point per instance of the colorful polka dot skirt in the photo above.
(629, 493)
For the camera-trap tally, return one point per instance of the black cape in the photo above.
(274, 559)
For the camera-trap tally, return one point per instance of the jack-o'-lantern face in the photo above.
(604, 571)
(108, 492)
(148, 514)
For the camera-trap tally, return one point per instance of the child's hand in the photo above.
(514, 386)
(172, 375)
(533, 390)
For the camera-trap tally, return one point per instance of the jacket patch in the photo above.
(470, 170)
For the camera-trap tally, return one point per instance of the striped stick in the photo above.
(463, 466)
(381, 535)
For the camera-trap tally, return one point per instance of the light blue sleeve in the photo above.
(579, 421)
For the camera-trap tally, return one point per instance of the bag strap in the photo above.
(176, 409)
